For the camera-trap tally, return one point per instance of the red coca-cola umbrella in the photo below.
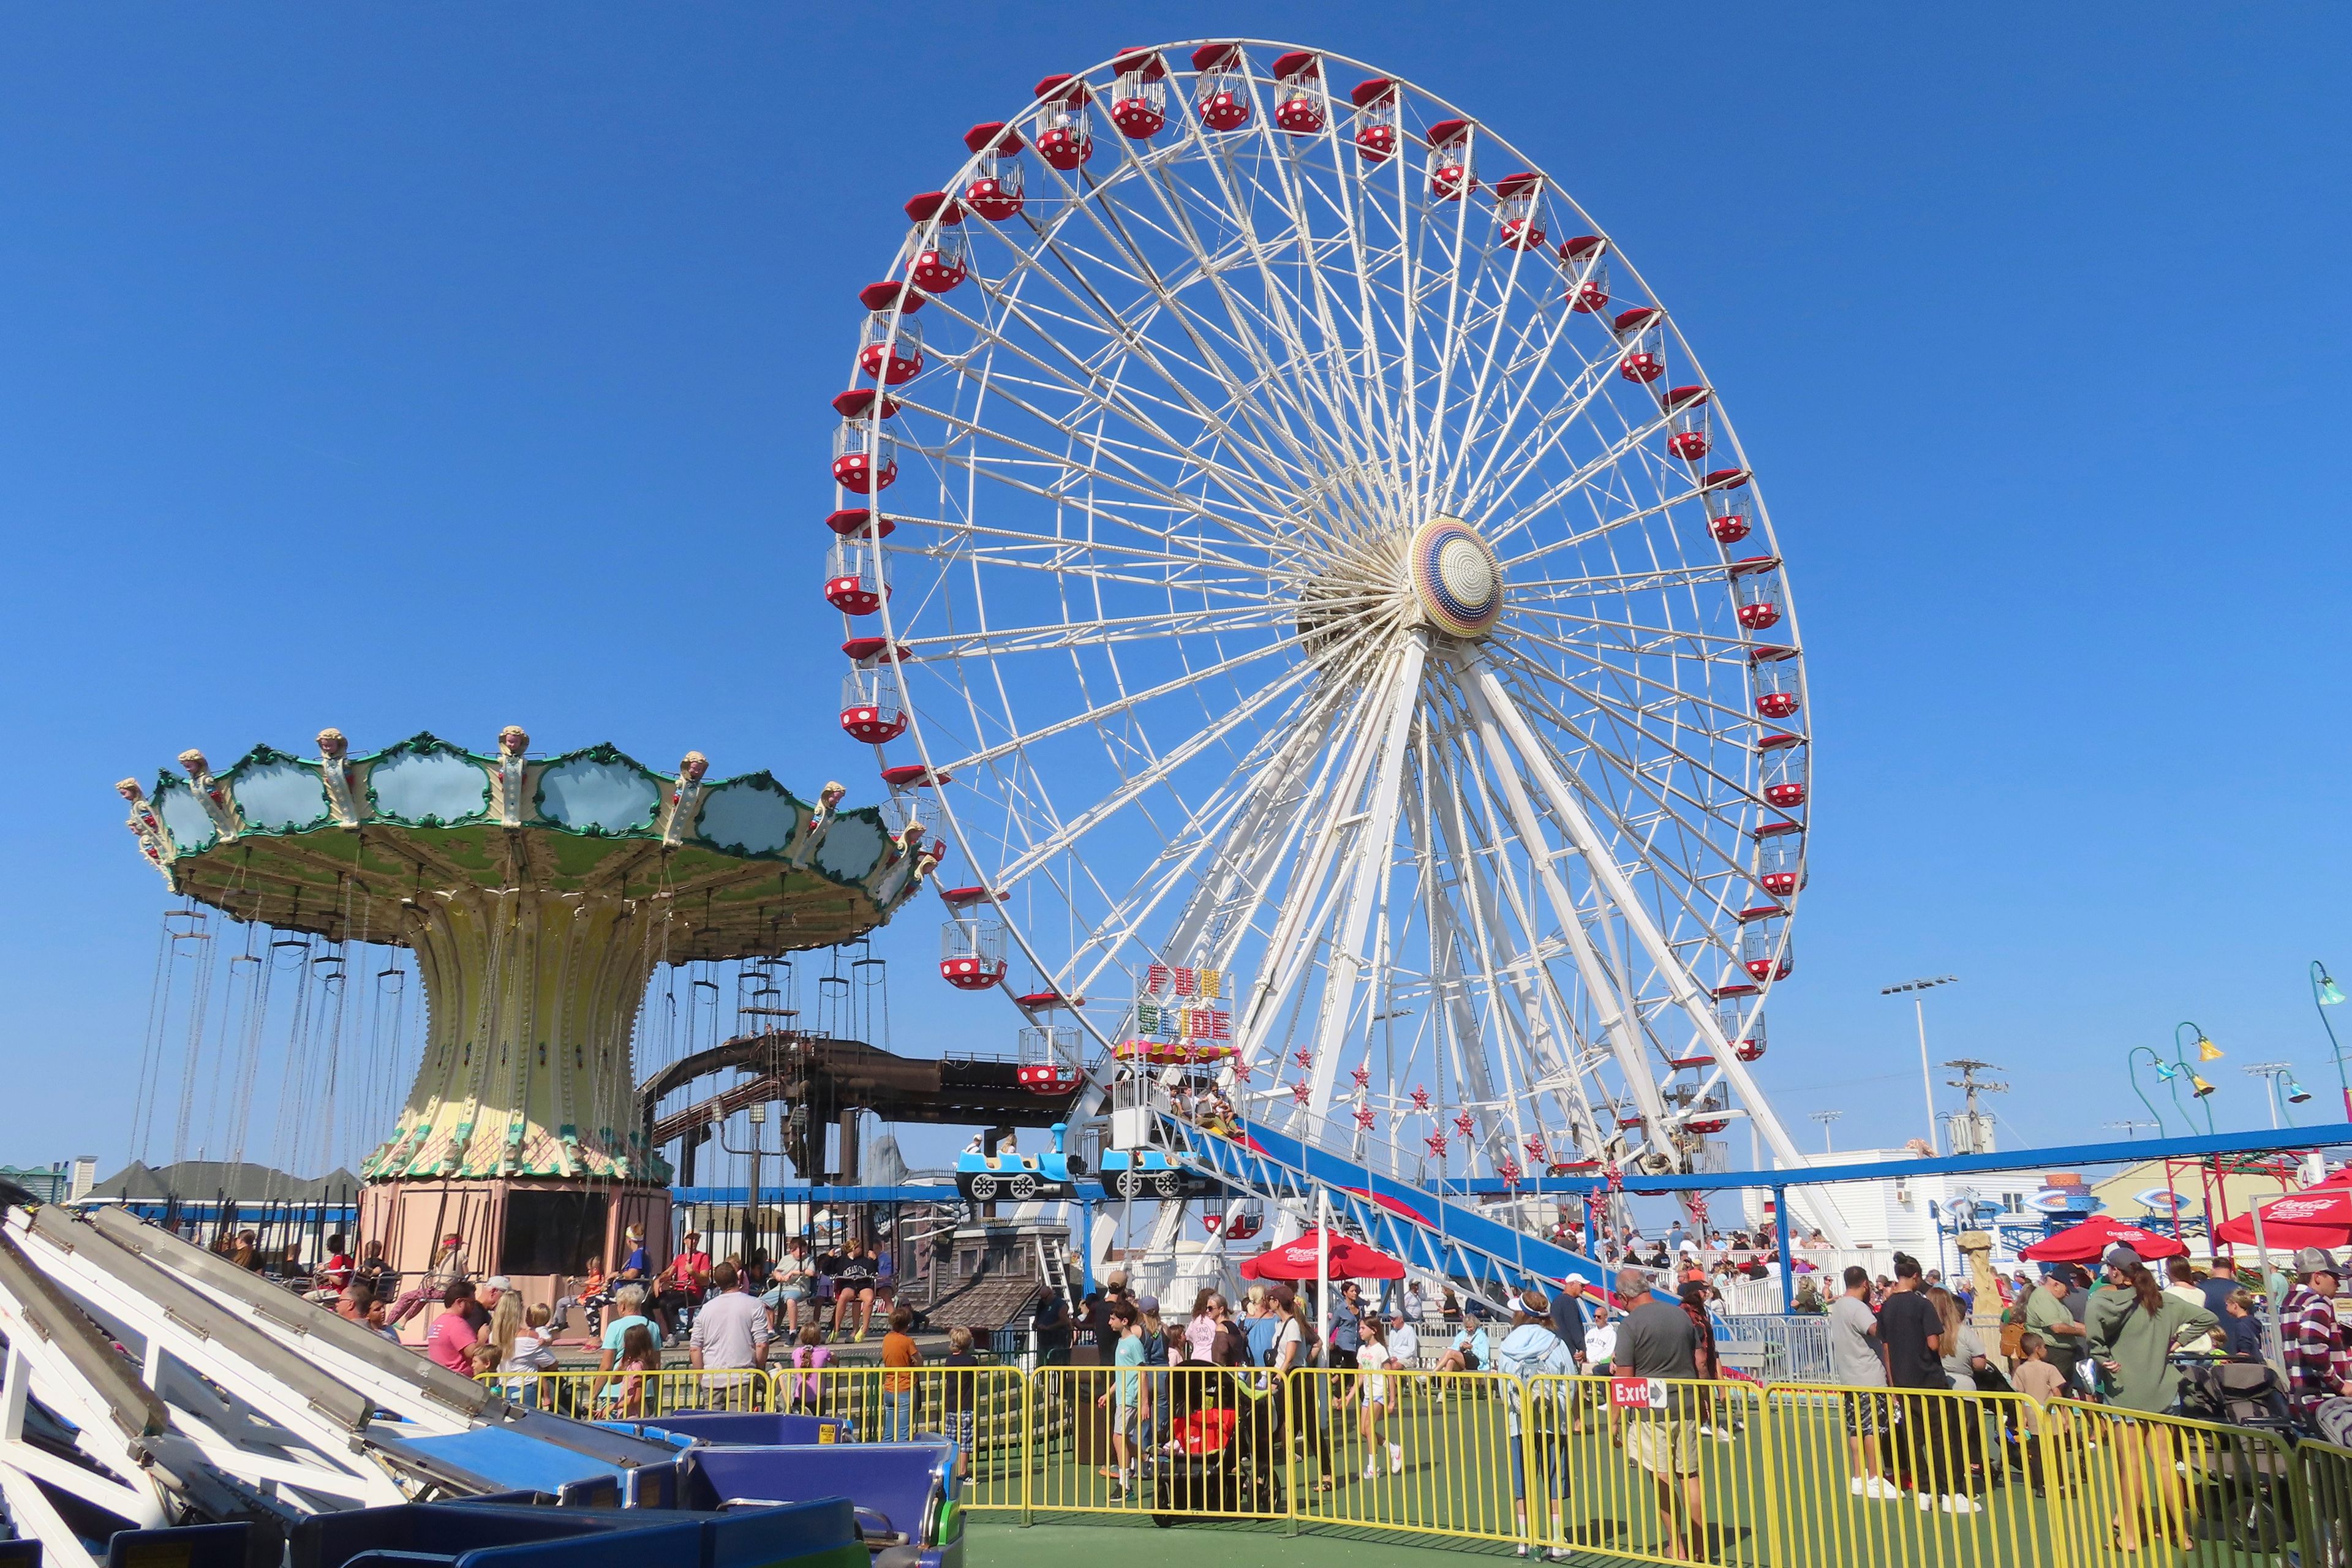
(2316, 1217)
(2088, 1241)
(1302, 1259)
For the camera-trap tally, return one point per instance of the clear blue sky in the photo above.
(445, 367)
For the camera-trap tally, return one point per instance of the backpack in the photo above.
(2011, 1340)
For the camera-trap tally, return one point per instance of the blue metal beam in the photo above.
(2285, 1139)
(738, 1196)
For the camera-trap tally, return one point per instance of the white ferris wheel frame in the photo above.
(1384, 687)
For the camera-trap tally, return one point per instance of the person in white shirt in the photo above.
(1369, 1394)
(1403, 1341)
(731, 1334)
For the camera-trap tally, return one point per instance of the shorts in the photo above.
(1122, 1416)
(791, 1292)
(1866, 1414)
(1663, 1445)
(956, 1426)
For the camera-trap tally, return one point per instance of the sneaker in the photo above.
(1955, 1503)
(1396, 1457)
(1926, 1503)
(1372, 1471)
(1555, 1554)
(1859, 1486)
(1884, 1490)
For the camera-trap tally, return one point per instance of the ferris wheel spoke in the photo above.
(1684, 993)
(1230, 830)
(998, 642)
(1132, 340)
(1291, 185)
(1591, 637)
(1630, 713)
(1271, 316)
(1626, 446)
(1127, 702)
(1133, 482)
(1490, 363)
(1276, 412)
(1522, 992)
(1603, 988)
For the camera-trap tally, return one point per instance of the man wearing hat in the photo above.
(2311, 1340)
(2048, 1314)
(1568, 1317)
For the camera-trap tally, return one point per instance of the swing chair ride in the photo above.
(1307, 574)
(536, 897)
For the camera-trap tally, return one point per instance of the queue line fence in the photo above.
(1734, 1472)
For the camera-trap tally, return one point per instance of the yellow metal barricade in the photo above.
(1174, 1443)
(2136, 1486)
(983, 1410)
(1636, 1468)
(2324, 1503)
(1428, 1452)
(1934, 1477)
(634, 1395)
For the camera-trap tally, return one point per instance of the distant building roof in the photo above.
(202, 1181)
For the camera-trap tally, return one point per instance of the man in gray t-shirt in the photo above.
(1855, 1361)
(1657, 1339)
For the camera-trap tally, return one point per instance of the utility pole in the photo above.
(1978, 1123)
(2270, 1073)
(1825, 1117)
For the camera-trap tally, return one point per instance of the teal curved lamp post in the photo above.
(2326, 994)
(2199, 1089)
(2165, 1073)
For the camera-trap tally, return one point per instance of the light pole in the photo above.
(2165, 1073)
(1926, 1073)
(2271, 1073)
(2198, 1089)
(1825, 1117)
(2326, 994)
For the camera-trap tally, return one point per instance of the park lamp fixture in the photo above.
(2295, 1093)
(2323, 986)
(2197, 1087)
(2165, 1072)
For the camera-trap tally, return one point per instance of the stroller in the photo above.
(2243, 1491)
(1221, 1464)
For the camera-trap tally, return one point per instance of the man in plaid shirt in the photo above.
(2316, 1350)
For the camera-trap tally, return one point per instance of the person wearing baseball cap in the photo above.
(2048, 1314)
(2311, 1335)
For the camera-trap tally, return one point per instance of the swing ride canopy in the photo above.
(537, 895)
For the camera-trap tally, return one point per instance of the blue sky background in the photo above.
(443, 367)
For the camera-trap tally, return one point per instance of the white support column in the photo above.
(1374, 849)
(1625, 1042)
(1493, 702)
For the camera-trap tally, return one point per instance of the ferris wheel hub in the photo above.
(1455, 577)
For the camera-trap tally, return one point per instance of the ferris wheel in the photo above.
(1308, 583)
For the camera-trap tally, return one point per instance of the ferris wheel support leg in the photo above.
(1493, 702)
(1601, 983)
(1374, 846)
(1275, 985)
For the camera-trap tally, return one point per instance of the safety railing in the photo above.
(635, 1395)
(1777, 1347)
(1437, 1453)
(985, 1411)
(1786, 1476)
(1188, 1442)
(2324, 1474)
(1934, 1477)
(2139, 1484)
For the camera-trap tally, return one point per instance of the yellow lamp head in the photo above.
(2199, 1089)
(2207, 1051)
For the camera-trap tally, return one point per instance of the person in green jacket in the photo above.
(2134, 1326)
